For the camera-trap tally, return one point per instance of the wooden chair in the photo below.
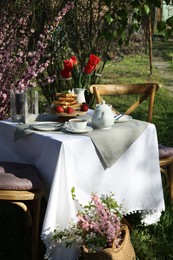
(143, 91)
(166, 165)
(20, 173)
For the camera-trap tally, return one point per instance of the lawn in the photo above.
(135, 69)
(153, 242)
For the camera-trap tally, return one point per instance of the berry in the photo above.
(84, 107)
(59, 109)
(69, 110)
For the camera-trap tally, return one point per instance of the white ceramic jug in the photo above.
(80, 94)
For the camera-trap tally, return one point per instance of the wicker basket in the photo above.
(124, 252)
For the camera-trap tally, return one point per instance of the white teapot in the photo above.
(103, 116)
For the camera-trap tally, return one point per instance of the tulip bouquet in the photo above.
(96, 226)
(80, 77)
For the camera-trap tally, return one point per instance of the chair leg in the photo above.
(165, 175)
(28, 216)
(36, 204)
(170, 176)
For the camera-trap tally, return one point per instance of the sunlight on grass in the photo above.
(154, 241)
(135, 69)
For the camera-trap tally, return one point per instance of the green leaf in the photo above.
(167, 33)
(73, 193)
(146, 9)
(109, 18)
(115, 34)
(123, 36)
(135, 27)
(169, 21)
(161, 26)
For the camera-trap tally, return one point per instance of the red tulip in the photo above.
(89, 68)
(68, 65)
(65, 73)
(73, 60)
(91, 65)
(93, 60)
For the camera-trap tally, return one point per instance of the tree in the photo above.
(143, 12)
(90, 27)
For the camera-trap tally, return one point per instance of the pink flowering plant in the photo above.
(96, 225)
(21, 65)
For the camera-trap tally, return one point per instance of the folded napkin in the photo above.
(112, 143)
(22, 130)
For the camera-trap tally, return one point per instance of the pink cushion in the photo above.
(165, 151)
(2, 169)
(19, 176)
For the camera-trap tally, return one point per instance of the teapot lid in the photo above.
(102, 106)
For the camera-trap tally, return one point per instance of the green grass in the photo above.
(155, 241)
(135, 69)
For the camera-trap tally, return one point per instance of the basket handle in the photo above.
(123, 227)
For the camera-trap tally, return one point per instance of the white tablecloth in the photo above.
(70, 160)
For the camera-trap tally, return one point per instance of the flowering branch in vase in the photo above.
(96, 225)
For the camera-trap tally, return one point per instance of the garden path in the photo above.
(164, 67)
(162, 59)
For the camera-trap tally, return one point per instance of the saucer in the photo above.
(121, 118)
(72, 130)
(46, 126)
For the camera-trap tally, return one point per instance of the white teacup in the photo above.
(77, 123)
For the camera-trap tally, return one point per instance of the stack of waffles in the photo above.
(67, 100)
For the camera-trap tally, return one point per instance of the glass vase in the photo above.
(24, 105)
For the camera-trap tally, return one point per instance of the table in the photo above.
(70, 160)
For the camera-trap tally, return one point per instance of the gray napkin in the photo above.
(112, 143)
(22, 130)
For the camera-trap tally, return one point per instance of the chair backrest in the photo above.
(143, 91)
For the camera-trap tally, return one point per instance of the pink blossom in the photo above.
(19, 66)
(4, 96)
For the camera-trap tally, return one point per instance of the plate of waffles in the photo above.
(66, 100)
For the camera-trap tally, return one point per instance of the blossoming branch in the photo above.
(19, 67)
(96, 225)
